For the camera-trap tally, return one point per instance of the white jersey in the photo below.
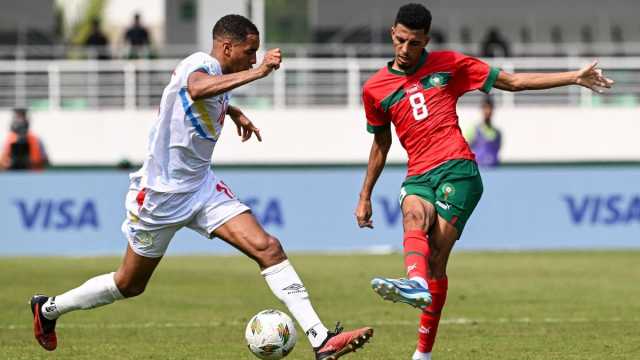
(182, 140)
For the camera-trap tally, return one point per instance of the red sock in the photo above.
(416, 252)
(431, 316)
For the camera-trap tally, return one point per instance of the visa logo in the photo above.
(268, 212)
(57, 214)
(391, 210)
(612, 209)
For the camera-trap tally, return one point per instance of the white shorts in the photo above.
(154, 217)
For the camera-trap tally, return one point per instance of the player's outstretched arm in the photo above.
(589, 76)
(377, 159)
(201, 85)
(244, 125)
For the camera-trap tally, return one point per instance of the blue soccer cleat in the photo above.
(402, 290)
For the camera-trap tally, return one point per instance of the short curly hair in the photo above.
(236, 27)
(414, 16)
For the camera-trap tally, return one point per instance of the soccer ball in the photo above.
(271, 335)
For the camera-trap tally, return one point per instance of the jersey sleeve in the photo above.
(473, 74)
(377, 120)
(209, 67)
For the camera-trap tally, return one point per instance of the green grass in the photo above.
(540, 305)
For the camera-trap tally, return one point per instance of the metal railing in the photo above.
(315, 50)
(300, 83)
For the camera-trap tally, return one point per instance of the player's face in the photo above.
(243, 54)
(408, 45)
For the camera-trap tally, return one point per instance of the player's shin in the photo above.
(430, 317)
(286, 285)
(416, 252)
(98, 291)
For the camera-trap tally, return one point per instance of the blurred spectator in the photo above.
(616, 34)
(525, 41)
(525, 35)
(557, 40)
(22, 149)
(438, 37)
(485, 140)
(465, 35)
(97, 41)
(586, 36)
(137, 37)
(124, 164)
(465, 40)
(495, 45)
(618, 40)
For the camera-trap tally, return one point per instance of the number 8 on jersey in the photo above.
(419, 105)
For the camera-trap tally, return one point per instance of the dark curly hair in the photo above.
(415, 17)
(236, 27)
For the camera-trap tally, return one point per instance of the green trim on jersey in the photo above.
(491, 79)
(395, 97)
(376, 129)
(421, 61)
(432, 80)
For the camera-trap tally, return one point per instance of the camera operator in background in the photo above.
(22, 150)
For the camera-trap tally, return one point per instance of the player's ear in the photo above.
(227, 46)
(392, 31)
(427, 38)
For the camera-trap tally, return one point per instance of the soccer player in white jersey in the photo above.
(176, 188)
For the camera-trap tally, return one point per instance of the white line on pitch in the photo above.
(453, 321)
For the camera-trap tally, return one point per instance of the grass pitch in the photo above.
(540, 305)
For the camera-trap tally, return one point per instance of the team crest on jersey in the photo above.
(436, 80)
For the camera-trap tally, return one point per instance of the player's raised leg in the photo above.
(417, 215)
(442, 239)
(244, 233)
(130, 280)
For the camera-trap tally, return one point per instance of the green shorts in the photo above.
(454, 188)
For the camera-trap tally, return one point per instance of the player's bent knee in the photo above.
(272, 253)
(413, 219)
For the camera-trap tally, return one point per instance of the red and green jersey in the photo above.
(421, 104)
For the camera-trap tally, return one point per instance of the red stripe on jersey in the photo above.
(140, 197)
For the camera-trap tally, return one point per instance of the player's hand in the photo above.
(363, 213)
(271, 61)
(591, 77)
(245, 127)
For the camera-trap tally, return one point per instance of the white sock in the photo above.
(286, 285)
(421, 281)
(97, 291)
(421, 356)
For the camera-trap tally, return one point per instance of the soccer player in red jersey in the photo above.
(418, 92)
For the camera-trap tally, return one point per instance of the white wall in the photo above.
(339, 136)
